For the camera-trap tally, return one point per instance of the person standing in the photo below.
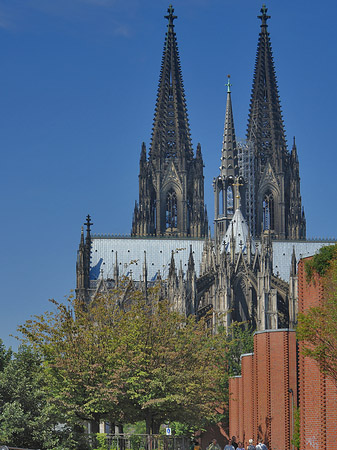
(234, 444)
(240, 446)
(261, 445)
(214, 445)
(196, 445)
(251, 446)
(229, 446)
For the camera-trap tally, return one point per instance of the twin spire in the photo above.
(171, 135)
(265, 123)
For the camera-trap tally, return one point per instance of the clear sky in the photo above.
(78, 83)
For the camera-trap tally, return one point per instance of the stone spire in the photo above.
(277, 207)
(171, 131)
(171, 180)
(229, 156)
(83, 263)
(265, 123)
(227, 184)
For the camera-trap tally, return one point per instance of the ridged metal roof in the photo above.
(130, 255)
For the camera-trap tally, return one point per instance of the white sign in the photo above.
(168, 431)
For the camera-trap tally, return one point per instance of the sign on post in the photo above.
(168, 431)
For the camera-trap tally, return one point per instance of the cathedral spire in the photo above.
(265, 123)
(229, 157)
(171, 130)
(227, 185)
(274, 201)
(171, 180)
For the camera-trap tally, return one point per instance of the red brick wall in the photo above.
(247, 403)
(262, 391)
(318, 394)
(234, 405)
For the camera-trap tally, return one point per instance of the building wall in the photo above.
(318, 394)
(260, 400)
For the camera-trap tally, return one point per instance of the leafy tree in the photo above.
(5, 356)
(140, 362)
(27, 419)
(320, 262)
(239, 340)
(317, 327)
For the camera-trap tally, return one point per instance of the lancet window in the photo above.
(230, 200)
(268, 211)
(171, 210)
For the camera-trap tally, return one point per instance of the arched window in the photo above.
(171, 210)
(268, 211)
(230, 200)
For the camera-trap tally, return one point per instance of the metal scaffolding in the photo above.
(246, 161)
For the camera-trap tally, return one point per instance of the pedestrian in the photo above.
(196, 445)
(234, 443)
(261, 445)
(229, 446)
(240, 446)
(251, 446)
(214, 445)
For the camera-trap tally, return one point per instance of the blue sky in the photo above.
(78, 82)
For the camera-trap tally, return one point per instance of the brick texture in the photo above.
(261, 404)
(318, 394)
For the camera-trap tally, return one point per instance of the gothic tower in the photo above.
(83, 263)
(277, 182)
(227, 185)
(171, 180)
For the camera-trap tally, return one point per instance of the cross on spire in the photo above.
(228, 84)
(264, 17)
(239, 182)
(88, 223)
(170, 17)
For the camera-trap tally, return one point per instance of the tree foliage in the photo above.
(144, 362)
(320, 262)
(318, 326)
(27, 418)
(5, 356)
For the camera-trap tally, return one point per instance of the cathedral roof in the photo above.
(238, 234)
(131, 253)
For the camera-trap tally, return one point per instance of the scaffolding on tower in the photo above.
(246, 162)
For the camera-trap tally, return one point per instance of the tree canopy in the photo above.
(143, 362)
(318, 326)
(27, 417)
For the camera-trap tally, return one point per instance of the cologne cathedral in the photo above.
(248, 270)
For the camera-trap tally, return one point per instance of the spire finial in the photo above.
(264, 17)
(228, 84)
(170, 17)
(88, 223)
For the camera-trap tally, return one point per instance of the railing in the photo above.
(144, 442)
(4, 447)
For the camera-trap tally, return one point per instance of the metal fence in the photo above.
(144, 442)
(133, 442)
(4, 447)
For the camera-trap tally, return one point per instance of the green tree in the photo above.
(5, 356)
(27, 419)
(140, 362)
(317, 327)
